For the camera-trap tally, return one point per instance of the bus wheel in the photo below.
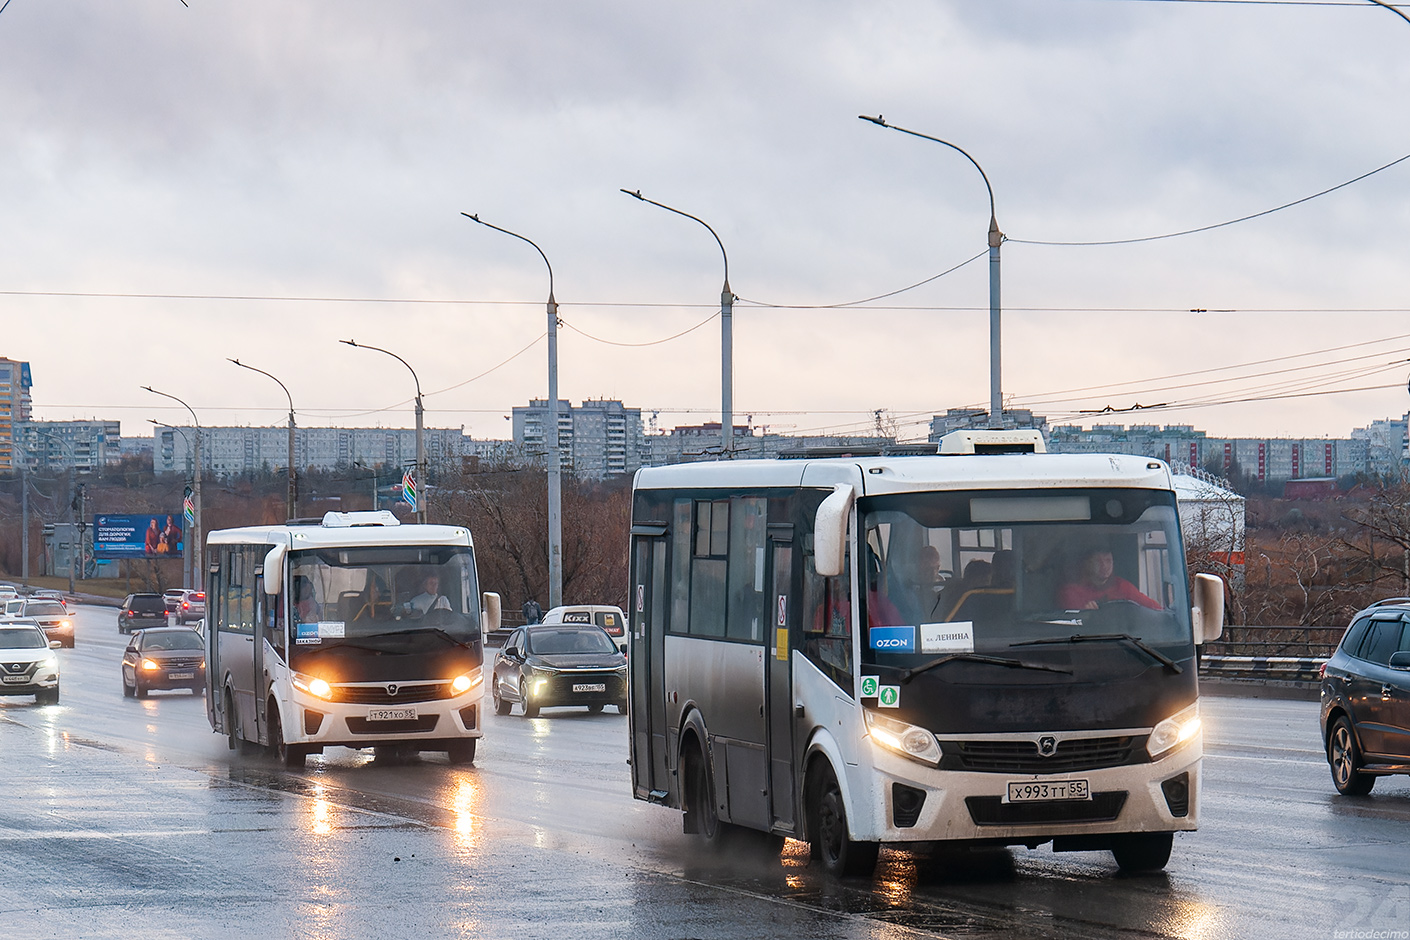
(1142, 851)
(290, 755)
(699, 803)
(231, 739)
(461, 752)
(828, 827)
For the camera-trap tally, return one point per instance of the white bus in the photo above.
(353, 632)
(1050, 698)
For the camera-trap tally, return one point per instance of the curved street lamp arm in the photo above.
(262, 372)
(637, 195)
(355, 343)
(1392, 9)
(177, 400)
(880, 121)
(476, 218)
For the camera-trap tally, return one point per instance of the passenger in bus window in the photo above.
(1097, 582)
(918, 595)
(305, 604)
(977, 576)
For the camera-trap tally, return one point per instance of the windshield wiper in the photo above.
(907, 674)
(1137, 642)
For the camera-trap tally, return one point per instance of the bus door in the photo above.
(778, 680)
(266, 647)
(647, 617)
(235, 636)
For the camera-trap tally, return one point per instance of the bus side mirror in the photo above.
(1207, 613)
(830, 531)
(274, 569)
(490, 612)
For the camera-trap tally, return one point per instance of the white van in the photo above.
(608, 618)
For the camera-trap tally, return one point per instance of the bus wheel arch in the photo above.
(828, 825)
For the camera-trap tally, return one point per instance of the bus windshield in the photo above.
(984, 571)
(349, 593)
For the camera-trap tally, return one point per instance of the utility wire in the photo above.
(1209, 228)
(854, 303)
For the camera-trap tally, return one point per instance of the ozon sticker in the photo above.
(894, 639)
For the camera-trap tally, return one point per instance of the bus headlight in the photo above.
(314, 686)
(905, 739)
(463, 683)
(1173, 731)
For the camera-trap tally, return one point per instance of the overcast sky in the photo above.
(268, 149)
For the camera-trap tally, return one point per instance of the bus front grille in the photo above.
(383, 694)
(1022, 757)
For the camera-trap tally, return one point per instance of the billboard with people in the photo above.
(137, 536)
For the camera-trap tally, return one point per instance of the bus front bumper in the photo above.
(916, 803)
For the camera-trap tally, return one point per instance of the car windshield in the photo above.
(342, 593)
(44, 609)
(181, 640)
(567, 642)
(982, 571)
(23, 638)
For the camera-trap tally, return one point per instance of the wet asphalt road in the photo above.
(129, 818)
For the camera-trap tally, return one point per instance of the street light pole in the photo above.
(195, 488)
(726, 333)
(422, 490)
(996, 238)
(293, 472)
(555, 482)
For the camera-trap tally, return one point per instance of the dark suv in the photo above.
(1366, 698)
(141, 610)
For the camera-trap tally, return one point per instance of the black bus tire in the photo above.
(1142, 851)
(827, 828)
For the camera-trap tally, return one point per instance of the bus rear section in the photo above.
(1023, 672)
(357, 632)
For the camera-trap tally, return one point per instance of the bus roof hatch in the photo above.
(1017, 441)
(347, 520)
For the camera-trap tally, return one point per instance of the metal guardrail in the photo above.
(1278, 652)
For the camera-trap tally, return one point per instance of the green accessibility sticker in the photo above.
(889, 696)
(869, 684)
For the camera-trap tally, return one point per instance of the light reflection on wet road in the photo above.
(121, 817)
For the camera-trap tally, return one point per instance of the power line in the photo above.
(1209, 228)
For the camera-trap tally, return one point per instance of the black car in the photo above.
(548, 665)
(164, 658)
(1366, 698)
(141, 610)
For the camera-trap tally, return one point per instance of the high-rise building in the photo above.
(14, 407)
(59, 445)
(599, 438)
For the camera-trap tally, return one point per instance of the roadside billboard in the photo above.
(137, 536)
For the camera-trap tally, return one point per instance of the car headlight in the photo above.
(1174, 731)
(49, 662)
(150, 665)
(905, 739)
(313, 686)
